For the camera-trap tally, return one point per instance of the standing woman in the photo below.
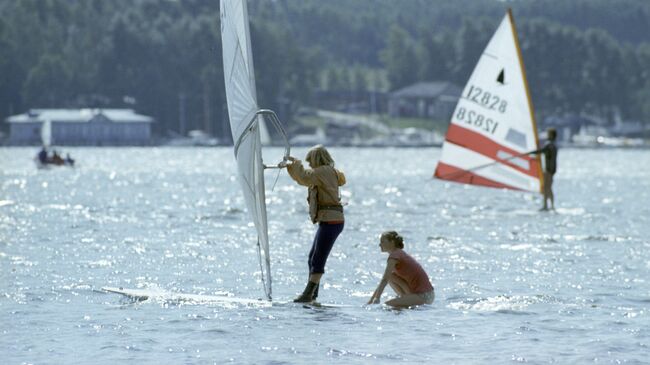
(325, 208)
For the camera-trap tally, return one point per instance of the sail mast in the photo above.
(530, 100)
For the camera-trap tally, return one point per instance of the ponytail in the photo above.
(394, 237)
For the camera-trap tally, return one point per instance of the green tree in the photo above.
(48, 82)
(435, 57)
(282, 70)
(603, 73)
(553, 81)
(400, 58)
(358, 81)
(472, 39)
(641, 98)
(10, 82)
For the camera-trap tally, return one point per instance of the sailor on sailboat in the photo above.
(550, 166)
(493, 128)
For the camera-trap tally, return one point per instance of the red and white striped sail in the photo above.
(493, 126)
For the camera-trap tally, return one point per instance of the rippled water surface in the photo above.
(512, 284)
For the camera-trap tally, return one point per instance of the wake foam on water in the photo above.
(570, 211)
(501, 303)
(6, 202)
(537, 212)
(599, 238)
(359, 354)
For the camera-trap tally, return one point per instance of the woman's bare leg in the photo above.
(396, 288)
(399, 285)
(406, 301)
(404, 296)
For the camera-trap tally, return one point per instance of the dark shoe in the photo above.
(308, 294)
(316, 292)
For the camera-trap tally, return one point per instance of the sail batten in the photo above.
(245, 123)
(493, 127)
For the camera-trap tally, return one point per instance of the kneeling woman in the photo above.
(404, 274)
(325, 209)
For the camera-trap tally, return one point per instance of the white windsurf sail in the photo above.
(46, 133)
(246, 122)
(493, 126)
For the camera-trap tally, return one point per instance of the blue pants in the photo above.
(323, 241)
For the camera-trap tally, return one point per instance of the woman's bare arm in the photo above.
(390, 267)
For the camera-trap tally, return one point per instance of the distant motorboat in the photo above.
(418, 137)
(194, 138)
(589, 140)
(45, 161)
(42, 159)
(402, 139)
(318, 137)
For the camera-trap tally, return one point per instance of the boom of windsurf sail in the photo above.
(246, 123)
(493, 126)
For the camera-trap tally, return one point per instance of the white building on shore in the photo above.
(81, 127)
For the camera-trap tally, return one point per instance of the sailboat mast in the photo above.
(530, 100)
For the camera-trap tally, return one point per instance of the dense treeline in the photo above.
(568, 70)
(163, 57)
(580, 55)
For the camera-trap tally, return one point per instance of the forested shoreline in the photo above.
(161, 56)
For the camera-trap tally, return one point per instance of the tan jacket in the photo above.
(326, 181)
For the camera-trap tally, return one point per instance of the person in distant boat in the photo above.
(550, 166)
(69, 160)
(323, 181)
(42, 155)
(404, 274)
(56, 158)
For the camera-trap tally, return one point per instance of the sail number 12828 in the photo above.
(476, 119)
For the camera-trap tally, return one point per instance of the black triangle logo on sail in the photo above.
(502, 77)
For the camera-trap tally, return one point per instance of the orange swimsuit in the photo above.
(411, 271)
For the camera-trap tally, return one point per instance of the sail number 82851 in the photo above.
(477, 120)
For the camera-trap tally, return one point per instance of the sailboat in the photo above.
(493, 127)
(247, 123)
(42, 160)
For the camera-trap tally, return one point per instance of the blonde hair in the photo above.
(394, 237)
(318, 156)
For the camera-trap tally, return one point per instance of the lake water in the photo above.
(512, 284)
